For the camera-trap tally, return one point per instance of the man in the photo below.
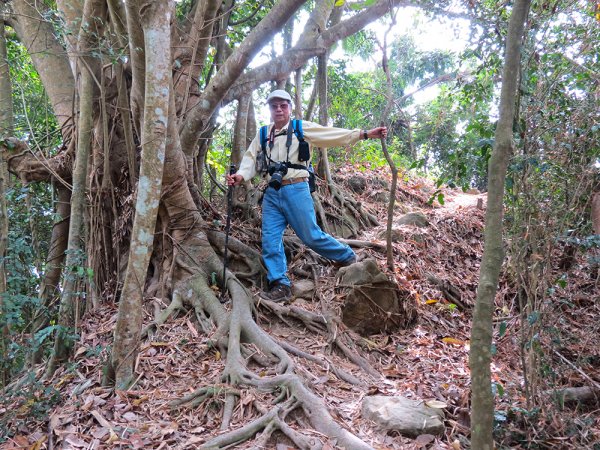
(289, 202)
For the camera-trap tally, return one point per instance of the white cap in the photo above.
(280, 94)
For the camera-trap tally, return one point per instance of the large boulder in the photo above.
(373, 304)
(417, 219)
(408, 417)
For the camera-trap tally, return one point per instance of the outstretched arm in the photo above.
(375, 133)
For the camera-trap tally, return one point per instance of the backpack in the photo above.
(303, 151)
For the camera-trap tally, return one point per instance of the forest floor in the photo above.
(427, 361)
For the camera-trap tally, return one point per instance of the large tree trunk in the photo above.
(156, 26)
(55, 72)
(482, 399)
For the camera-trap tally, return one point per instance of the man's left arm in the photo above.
(321, 136)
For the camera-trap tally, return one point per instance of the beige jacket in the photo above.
(316, 135)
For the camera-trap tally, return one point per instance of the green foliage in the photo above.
(33, 116)
(21, 304)
(361, 44)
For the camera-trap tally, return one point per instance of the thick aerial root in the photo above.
(239, 250)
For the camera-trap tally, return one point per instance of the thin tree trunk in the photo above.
(482, 400)
(49, 288)
(6, 129)
(239, 133)
(323, 162)
(596, 212)
(384, 121)
(75, 253)
(298, 94)
(156, 26)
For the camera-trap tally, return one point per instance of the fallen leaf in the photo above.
(453, 341)
(424, 439)
(436, 404)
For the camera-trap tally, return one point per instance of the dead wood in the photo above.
(449, 291)
(582, 394)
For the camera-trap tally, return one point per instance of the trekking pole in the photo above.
(227, 227)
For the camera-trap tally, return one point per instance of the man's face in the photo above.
(280, 111)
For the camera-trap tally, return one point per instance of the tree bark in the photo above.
(596, 212)
(49, 288)
(47, 56)
(315, 41)
(75, 260)
(233, 68)
(239, 146)
(482, 400)
(156, 26)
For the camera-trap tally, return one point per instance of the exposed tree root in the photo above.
(201, 394)
(324, 363)
(247, 344)
(353, 356)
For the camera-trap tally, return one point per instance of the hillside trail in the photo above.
(459, 199)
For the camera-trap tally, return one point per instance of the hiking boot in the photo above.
(346, 263)
(278, 293)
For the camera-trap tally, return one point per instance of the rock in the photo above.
(397, 235)
(416, 219)
(381, 197)
(402, 234)
(357, 183)
(408, 417)
(373, 304)
(303, 289)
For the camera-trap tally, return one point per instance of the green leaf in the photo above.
(500, 390)
(441, 198)
(502, 329)
(339, 3)
(533, 317)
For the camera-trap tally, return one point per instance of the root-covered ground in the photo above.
(180, 397)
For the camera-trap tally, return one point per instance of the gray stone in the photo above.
(357, 183)
(416, 219)
(402, 234)
(381, 197)
(408, 417)
(303, 289)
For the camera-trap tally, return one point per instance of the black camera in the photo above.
(277, 171)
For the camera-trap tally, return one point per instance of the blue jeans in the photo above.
(293, 205)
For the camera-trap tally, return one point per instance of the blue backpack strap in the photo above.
(297, 126)
(263, 137)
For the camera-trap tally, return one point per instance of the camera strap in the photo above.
(294, 127)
